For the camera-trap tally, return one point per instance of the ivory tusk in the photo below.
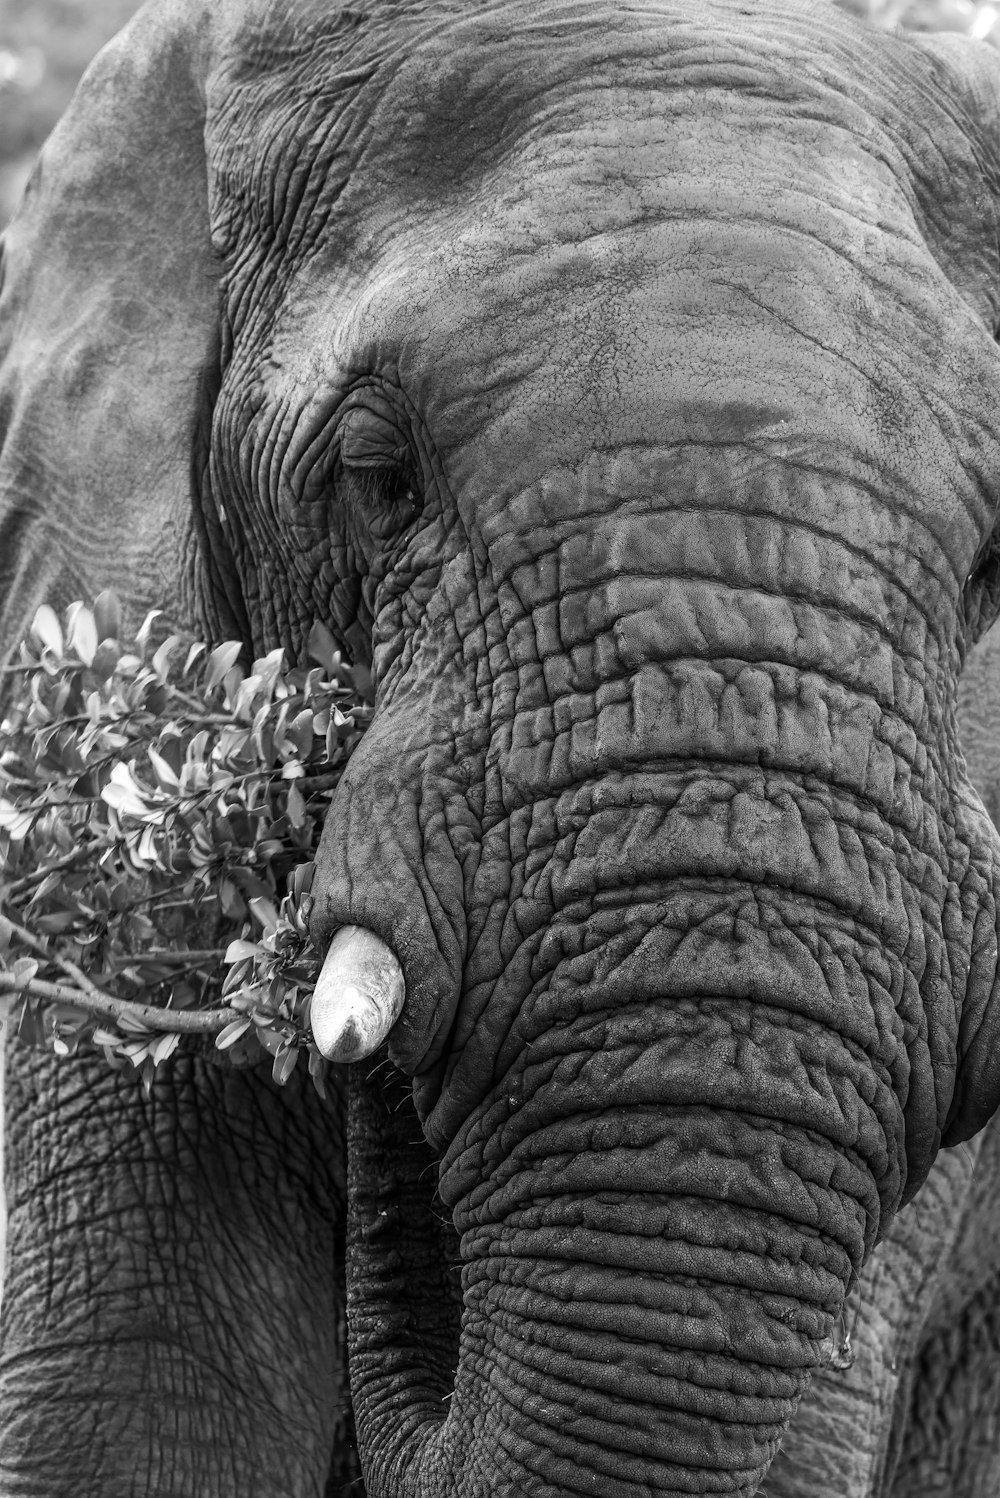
(358, 996)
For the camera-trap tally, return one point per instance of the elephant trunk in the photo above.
(719, 928)
(658, 1223)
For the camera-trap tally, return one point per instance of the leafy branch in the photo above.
(159, 812)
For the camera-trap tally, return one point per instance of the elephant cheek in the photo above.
(387, 864)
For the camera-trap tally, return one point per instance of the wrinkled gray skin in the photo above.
(618, 383)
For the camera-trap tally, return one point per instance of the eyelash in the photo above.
(379, 490)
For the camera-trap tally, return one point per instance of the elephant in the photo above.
(616, 380)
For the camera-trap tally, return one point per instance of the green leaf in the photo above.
(302, 878)
(135, 1050)
(47, 630)
(13, 821)
(296, 806)
(231, 902)
(133, 1026)
(122, 792)
(81, 632)
(161, 658)
(318, 1066)
(146, 851)
(107, 615)
(265, 913)
(239, 949)
(284, 1064)
(195, 653)
(166, 776)
(30, 1029)
(221, 661)
(23, 970)
(231, 683)
(231, 1034)
(163, 1048)
(246, 696)
(143, 632)
(105, 660)
(155, 698)
(301, 731)
(148, 1075)
(55, 922)
(322, 647)
(272, 1040)
(103, 1036)
(268, 668)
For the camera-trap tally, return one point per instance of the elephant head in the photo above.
(617, 381)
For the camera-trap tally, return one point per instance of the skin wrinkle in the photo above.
(916, 599)
(574, 1479)
(763, 662)
(551, 1348)
(839, 1258)
(637, 1323)
(532, 319)
(628, 1434)
(655, 1210)
(486, 1250)
(888, 811)
(852, 914)
(772, 1016)
(854, 941)
(580, 1124)
(754, 591)
(158, 1336)
(578, 1120)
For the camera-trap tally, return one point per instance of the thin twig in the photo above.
(69, 968)
(168, 954)
(21, 886)
(105, 1006)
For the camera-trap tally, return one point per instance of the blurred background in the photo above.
(46, 44)
(44, 47)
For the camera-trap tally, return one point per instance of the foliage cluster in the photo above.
(159, 812)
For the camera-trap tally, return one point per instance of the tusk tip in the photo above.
(358, 996)
(348, 1045)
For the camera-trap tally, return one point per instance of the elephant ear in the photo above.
(108, 336)
(970, 72)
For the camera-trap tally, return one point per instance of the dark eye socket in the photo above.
(384, 497)
(378, 481)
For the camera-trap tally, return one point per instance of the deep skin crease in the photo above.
(618, 383)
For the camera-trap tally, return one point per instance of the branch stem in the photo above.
(171, 955)
(44, 950)
(104, 1005)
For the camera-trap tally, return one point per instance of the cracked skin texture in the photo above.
(618, 383)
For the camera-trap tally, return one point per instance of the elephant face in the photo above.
(618, 382)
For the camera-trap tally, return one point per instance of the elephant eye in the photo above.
(386, 498)
(378, 480)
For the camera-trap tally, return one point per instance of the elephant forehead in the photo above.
(607, 222)
(407, 105)
(757, 341)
